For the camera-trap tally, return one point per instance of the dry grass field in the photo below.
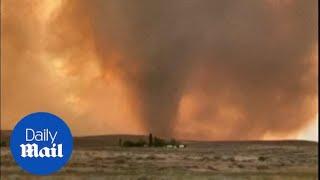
(199, 160)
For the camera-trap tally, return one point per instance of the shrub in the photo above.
(159, 142)
(262, 158)
(3, 144)
(173, 142)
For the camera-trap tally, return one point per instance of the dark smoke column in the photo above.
(154, 60)
(246, 64)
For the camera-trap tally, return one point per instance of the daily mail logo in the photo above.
(32, 150)
(41, 138)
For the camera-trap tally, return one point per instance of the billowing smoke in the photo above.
(190, 69)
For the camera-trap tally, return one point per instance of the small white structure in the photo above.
(169, 146)
(180, 146)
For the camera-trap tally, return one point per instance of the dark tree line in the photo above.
(153, 142)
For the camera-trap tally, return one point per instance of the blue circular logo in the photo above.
(41, 143)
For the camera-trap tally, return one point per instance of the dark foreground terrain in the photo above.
(199, 160)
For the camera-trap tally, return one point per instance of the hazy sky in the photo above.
(311, 131)
(210, 69)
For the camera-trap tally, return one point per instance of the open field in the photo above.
(200, 160)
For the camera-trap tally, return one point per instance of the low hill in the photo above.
(105, 140)
(87, 141)
(97, 142)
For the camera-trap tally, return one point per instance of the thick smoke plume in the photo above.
(191, 69)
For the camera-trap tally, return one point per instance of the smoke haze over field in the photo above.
(190, 69)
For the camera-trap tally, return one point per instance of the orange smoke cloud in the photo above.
(193, 70)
